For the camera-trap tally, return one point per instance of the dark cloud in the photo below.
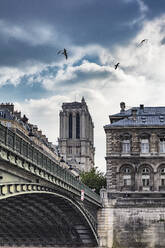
(22, 91)
(72, 22)
(156, 8)
(84, 22)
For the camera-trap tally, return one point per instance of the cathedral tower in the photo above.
(76, 142)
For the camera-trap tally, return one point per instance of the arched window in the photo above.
(127, 170)
(77, 126)
(70, 126)
(145, 171)
(145, 178)
(126, 177)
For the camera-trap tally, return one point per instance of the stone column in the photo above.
(135, 144)
(111, 176)
(105, 219)
(153, 144)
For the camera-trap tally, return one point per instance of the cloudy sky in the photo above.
(97, 35)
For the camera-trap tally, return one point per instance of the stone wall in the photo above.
(132, 223)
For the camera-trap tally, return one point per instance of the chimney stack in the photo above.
(141, 106)
(134, 113)
(122, 106)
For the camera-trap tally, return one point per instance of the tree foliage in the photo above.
(94, 179)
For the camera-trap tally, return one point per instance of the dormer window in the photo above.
(144, 146)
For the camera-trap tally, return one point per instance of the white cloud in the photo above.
(35, 34)
(140, 79)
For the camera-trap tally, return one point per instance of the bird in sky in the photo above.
(64, 52)
(117, 65)
(141, 43)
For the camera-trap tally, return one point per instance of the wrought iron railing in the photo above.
(27, 151)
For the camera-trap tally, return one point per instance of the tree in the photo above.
(94, 179)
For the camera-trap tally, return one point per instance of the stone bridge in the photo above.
(40, 202)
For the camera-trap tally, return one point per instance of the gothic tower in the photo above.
(76, 142)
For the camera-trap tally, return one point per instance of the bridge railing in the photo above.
(27, 150)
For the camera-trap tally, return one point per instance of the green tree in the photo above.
(94, 179)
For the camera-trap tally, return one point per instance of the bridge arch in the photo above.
(59, 213)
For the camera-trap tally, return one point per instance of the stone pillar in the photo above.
(135, 144)
(65, 131)
(111, 176)
(153, 144)
(105, 222)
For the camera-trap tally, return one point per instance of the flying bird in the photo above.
(64, 52)
(141, 43)
(117, 65)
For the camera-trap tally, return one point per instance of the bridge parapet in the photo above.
(24, 154)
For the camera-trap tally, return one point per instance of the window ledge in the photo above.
(145, 154)
(162, 154)
(125, 154)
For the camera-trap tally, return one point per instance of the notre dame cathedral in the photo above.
(76, 141)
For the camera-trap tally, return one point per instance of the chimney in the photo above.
(39, 133)
(134, 113)
(122, 106)
(142, 106)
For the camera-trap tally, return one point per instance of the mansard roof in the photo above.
(145, 111)
(146, 116)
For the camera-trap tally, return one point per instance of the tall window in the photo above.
(146, 178)
(144, 146)
(127, 176)
(162, 145)
(145, 181)
(77, 126)
(162, 176)
(126, 146)
(70, 126)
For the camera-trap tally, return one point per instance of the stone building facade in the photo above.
(76, 141)
(135, 143)
(134, 202)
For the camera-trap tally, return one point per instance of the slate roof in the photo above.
(149, 116)
(145, 111)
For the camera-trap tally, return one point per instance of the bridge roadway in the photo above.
(40, 202)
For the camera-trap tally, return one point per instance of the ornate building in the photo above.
(76, 142)
(135, 150)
